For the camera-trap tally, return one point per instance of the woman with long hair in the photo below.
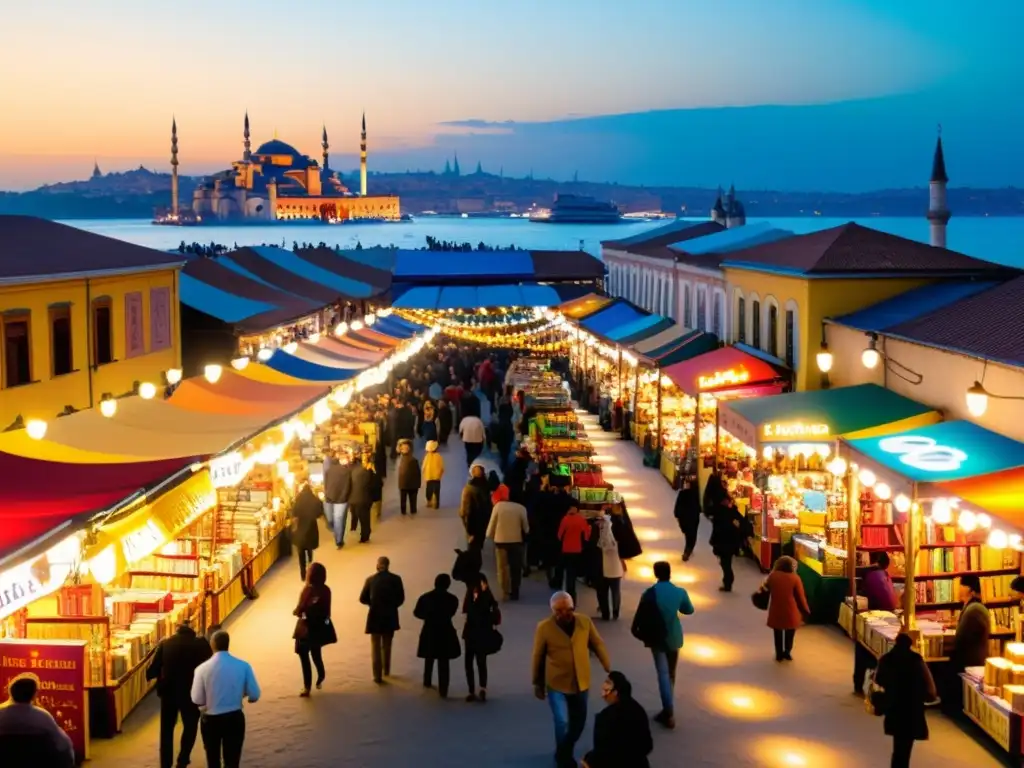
(314, 628)
(787, 605)
(480, 633)
(613, 568)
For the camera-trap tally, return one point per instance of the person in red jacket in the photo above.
(573, 531)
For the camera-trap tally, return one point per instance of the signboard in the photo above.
(794, 430)
(228, 471)
(29, 581)
(58, 667)
(733, 377)
(924, 453)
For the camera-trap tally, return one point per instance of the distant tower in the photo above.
(735, 215)
(326, 147)
(272, 198)
(96, 172)
(247, 154)
(174, 167)
(718, 210)
(455, 166)
(362, 159)
(447, 168)
(938, 213)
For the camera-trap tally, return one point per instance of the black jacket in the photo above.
(174, 663)
(482, 616)
(475, 508)
(384, 594)
(338, 483)
(687, 510)
(306, 512)
(622, 737)
(728, 531)
(362, 486)
(438, 638)
(905, 678)
(408, 473)
(405, 424)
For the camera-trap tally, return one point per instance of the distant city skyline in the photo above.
(843, 95)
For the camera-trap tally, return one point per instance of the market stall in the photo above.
(778, 455)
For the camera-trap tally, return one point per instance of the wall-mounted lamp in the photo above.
(977, 396)
(872, 356)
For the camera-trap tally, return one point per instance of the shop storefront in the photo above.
(779, 459)
(944, 501)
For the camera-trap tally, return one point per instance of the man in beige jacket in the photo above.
(507, 527)
(561, 671)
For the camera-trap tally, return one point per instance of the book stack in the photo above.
(80, 600)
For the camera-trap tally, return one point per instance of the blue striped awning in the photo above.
(217, 303)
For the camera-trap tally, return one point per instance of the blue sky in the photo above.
(106, 80)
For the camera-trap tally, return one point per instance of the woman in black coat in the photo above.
(306, 511)
(438, 639)
(480, 634)
(314, 629)
(444, 421)
(908, 686)
(687, 514)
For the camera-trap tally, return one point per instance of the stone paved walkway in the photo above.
(735, 705)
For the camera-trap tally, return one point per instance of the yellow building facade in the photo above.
(70, 342)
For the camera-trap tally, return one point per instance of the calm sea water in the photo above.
(994, 239)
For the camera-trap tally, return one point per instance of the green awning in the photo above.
(821, 416)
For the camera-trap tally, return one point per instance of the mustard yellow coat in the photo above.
(559, 659)
(433, 466)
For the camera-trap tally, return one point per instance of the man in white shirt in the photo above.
(28, 732)
(507, 526)
(472, 432)
(218, 688)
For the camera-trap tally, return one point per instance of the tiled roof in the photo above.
(913, 304)
(852, 248)
(989, 325)
(675, 232)
(32, 247)
(566, 265)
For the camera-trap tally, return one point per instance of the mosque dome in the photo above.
(277, 147)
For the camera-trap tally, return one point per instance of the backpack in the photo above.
(648, 624)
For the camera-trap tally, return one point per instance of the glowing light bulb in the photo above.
(825, 360)
(942, 513)
(768, 452)
(977, 400)
(967, 521)
(35, 428)
(837, 466)
(108, 407)
(902, 503)
(984, 521)
(240, 363)
(314, 338)
(998, 539)
(867, 478)
(357, 325)
(212, 373)
(340, 329)
(147, 390)
(264, 354)
(173, 376)
(870, 357)
(883, 491)
(291, 347)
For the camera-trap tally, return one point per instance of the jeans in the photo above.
(481, 665)
(305, 557)
(410, 497)
(306, 652)
(473, 451)
(443, 674)
(380, 647)
(569, 711)
(901, 749)
(433, 492)
(665, 665)
(727, 575)
(783, 642)
(170, 707)
(569, 567)
(510, 568)
(337, 514)
(223, 733)
(605, 588)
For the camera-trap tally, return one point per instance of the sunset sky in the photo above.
(102, 79)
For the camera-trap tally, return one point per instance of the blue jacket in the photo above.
(672, 601)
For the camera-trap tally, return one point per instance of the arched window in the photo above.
(687, 322)
(792, 334)
(773, 330)
(755, 323)
(741, 320)
(716, 315)
(702, 308)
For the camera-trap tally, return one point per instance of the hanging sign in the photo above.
(227, 471)
(37, 578)
(732, 377)
(142, 542)
(924, 453)
(794, 429)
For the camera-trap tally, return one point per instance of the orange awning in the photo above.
(1001, 494)
(237, 394)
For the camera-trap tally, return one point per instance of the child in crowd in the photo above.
(433, 471)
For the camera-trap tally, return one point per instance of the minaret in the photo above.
(456, 171)
(362, 159)
(718, 210)
(247, 154)
(938, 213)
(326, 147)
(174, 167)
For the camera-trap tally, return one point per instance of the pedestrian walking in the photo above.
(687, 514)
(613, 568)
(475, 506)
(428, 424)
(787, 605)
(876, 586)
(30, 736)
(728, 532)
(376, 489)
(337, 487)
(907, 686)
(439, 641)
(473, 434)
(219, 686)
(433, 471)
(480, 634)
(562, 645)
(622, 734)
(313, 629)
(409, 477)
(508, 527)
(173, 667)
(670, 601)
(444, 420)
(384, 594)
(305, 514)
(361, 497)
(573, 531)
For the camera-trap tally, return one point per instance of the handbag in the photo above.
(648, 623)
(877, 701)
(494, 642)
(761, 598)
(330, 635)
(301, 631)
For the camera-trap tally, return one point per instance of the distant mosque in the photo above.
(278, 183)
(729, 211)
